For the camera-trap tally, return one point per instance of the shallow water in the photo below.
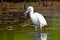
(28, 32)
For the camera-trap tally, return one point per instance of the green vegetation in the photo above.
(22, 33)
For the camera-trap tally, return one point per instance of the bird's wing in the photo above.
(41, 19)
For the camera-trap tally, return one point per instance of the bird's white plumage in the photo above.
(36, 18)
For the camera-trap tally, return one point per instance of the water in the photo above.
(39, 36)
(28, 33)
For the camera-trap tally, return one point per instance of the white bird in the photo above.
(37, 18)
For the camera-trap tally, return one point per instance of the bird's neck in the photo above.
(31, 12)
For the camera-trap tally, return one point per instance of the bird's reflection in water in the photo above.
(40, 36)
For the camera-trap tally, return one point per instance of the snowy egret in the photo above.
(36, 18)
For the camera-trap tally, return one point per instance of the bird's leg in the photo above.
(35, 28)
(41, 30)
(41, 33)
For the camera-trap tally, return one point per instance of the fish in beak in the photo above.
(25, 14)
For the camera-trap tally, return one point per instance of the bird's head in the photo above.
(29, 9)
